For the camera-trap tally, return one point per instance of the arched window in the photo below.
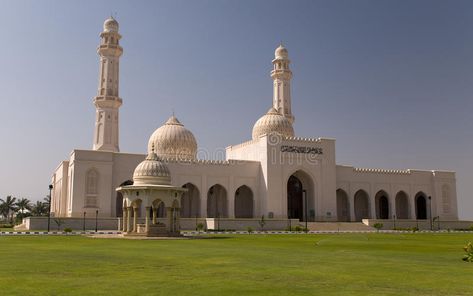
(91, 188)
(446, 199)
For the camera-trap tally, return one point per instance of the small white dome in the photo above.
(281, 52)
(151, 171)
(173, 141)
(110, 25)
(273, 122)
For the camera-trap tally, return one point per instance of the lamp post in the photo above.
(430, 213)
(394, 222)
(49, 210)
(83, 222)
(96, 219)
(305, 207)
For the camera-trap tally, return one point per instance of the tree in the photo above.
(8, 207)
(39, 209)
(23, 204)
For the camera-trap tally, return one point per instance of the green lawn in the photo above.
(338, 264)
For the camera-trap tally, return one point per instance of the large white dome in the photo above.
(273, 122)
(173, 141)
(151, 171)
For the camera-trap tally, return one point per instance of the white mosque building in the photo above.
(276, 174)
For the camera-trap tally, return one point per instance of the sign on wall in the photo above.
(305, 150)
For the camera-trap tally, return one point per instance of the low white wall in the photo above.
(243, 224)
(76, 224)
(421, 224)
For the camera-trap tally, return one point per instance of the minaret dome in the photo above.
(110, 25)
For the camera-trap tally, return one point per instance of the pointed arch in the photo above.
(190, 201)
(362, 205)
(402, 205)
(421, 205)
(381, 200)
(343, 206)
(298, 183)
(244, 202)
(217, 202)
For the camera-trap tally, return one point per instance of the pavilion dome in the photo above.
(110, 25)
(273, 122)
(173, 141)
(151, 171)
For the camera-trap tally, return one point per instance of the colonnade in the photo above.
(130, 218)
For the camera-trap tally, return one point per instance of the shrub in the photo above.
(262, 222)
(471, 228)
(298, 228)
(6, 225)
(414, 229)
(67, 229)
(468, 257)
(378, 226)
(200, 227)
(249, 229)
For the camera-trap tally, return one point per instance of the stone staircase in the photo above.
(337, 226)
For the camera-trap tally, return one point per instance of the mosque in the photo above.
(276, 174)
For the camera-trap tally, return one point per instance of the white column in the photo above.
(124, 220)
(155, 215)
(147, 218)
(135, 219)
(128, 219)
(169, 216)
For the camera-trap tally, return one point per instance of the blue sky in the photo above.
(392, 81)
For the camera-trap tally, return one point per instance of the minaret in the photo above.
(282, 75)
(107, 100)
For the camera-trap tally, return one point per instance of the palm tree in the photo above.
(23, 204)
(8, 207)
(39, 209)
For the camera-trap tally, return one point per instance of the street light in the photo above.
(49, 210)
(83, 222)
(305, 197)
(430, 213)
(96, 218)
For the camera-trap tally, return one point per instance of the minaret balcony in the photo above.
(108, 101)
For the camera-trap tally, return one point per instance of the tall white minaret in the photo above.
(107, 102)
(282, 75)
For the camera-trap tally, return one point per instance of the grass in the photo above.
(337, 264)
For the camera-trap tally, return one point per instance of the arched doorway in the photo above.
(119, 199)
(362, 205)
(295, 209)
(402, 205)
(161, 213)
(190, 201)
(343, 209)
(217, 202)
(421, 206)
(382, 205)
(299, 183)
(243, 202)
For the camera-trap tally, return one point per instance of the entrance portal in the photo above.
(421, 206)
(295, 208)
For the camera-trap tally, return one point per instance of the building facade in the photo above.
(276, 174)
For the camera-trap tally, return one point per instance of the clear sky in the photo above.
(392, 81)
